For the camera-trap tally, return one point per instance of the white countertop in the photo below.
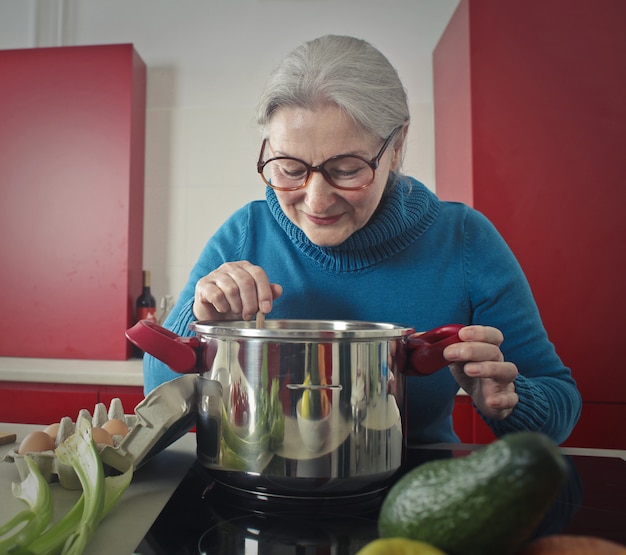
(124, 527)
(579, 451)
(72, 371)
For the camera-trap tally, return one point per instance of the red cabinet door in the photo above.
(601, 426)
(463, 418)
(42, 403)
(71, 199)
(37, 403)
(530, 124)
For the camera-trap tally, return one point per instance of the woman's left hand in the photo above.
(478, 365)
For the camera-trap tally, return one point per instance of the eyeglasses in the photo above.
(347, 172)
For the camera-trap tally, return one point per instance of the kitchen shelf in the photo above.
(42, 391)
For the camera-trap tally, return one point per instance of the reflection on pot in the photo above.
(313, 430)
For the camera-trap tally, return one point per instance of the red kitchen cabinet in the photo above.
(530, 129)
(32, 403)
(482, 432)
(468, 425)
(601, 425)
(42, 403)
(71, 199)
(463, 418)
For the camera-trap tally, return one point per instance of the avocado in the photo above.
(486, 503)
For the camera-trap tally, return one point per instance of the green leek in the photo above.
(70, 535)
(34, 490)
(79, 451)
(52, 540)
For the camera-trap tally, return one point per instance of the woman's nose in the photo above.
(319, 193)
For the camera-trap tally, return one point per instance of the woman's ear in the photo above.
(398, 147)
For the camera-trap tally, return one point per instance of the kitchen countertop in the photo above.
(72, 371)
(124, 527)
(153, 484)
(579, 451)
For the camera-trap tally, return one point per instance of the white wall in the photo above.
(207, 61)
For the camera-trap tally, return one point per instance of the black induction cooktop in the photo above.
(206, 517)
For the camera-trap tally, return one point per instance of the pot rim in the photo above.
(301, 329)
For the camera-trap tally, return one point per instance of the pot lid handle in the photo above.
(179, 353)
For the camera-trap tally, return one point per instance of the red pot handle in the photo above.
(426, 350)
(179, 353)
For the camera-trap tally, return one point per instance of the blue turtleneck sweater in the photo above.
(419, 262)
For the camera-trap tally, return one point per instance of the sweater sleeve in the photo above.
(546, 405)
(549, 400)
(224, 246)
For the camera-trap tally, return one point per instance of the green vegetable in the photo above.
(487, 503)
(52, 541)
(34, 490)
(79, 451)
(70, 535)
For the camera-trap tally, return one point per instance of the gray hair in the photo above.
(344, 71)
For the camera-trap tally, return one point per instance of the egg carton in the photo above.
(165, 414)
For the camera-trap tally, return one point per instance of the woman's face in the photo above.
(328, 216)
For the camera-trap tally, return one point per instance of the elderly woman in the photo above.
(342, 234)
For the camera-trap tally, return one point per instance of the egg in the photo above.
(100, 435)
(115, 427)
(36, 442)
(52, 430)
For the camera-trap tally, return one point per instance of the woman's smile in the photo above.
(323, 220)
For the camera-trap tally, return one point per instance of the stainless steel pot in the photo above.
(306, 408)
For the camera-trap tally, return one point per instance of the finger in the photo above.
(220, 290)
(277, 291)
(481, 334)
(211, 300)
(243, 284)
(258, 293)
(499, 372)
(204, 311)
(472, 351)
(503, 400)
(499, 405)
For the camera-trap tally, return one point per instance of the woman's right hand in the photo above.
(234, 291)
